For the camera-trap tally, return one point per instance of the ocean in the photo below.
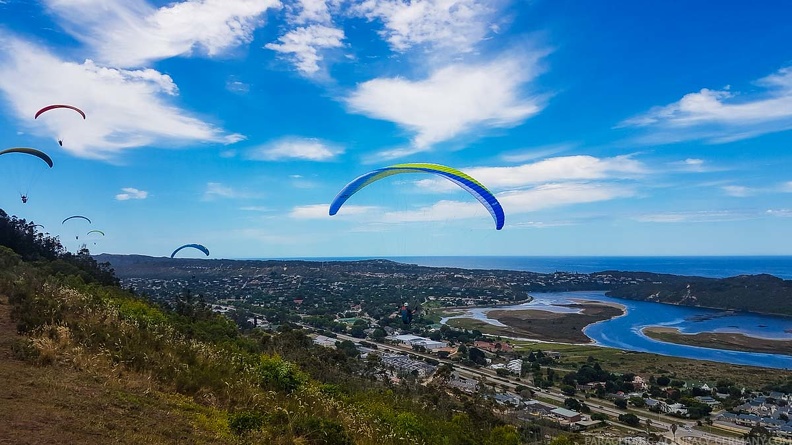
(703, 266)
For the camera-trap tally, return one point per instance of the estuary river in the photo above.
(625, 332)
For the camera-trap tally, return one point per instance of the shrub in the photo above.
(245, 421)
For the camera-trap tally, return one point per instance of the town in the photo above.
(354, 307)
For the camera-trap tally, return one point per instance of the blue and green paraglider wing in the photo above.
(194, 246)
(472, 186)
(30, 151)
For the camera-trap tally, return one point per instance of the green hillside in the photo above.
(100, 365)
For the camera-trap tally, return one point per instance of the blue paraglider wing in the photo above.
(194, 246)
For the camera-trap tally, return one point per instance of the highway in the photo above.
(685, 428)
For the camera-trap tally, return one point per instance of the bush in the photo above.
(245, 421)
(318, 431)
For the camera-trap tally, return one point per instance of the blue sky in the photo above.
(604, 128)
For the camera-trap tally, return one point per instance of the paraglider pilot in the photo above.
(406, 313)
(24, 199)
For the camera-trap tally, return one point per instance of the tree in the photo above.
(477, 356)
(572, 403)
(379, 334)
(629, 419)
(620, 403)
(758, 435)
(568, 390)
(663, 380)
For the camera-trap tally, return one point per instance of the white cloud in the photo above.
(296, 148)
(237, 86)
(303, 45)
(132, 33)
(125, 108)
(558, 169)
(131, 193)
(722, 116)
(255, 209)
(688, 217)
(215, 190)
(786, 187)
(456, 25)
(542, 224)
(322, 211)
(738, 191)
(784, 213)
(453, 100)
(301, 12)
(515, 202)
(530, 154)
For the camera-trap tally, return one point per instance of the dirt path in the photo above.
(57, 404)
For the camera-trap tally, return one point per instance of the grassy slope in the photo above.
(60, 404)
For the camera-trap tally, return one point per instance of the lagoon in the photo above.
(625, 332)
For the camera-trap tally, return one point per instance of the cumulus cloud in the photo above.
(308, 149)
(453, 100)
(310, 33)
(125, 108)
(516, 202)
(132, 33)
(131, 193)
(439, 24)
(304, 44)
(558, 169)
(719, 116)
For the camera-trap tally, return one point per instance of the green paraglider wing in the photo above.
(475, 188)
(194, 246)
(95, 231)
(30, 151)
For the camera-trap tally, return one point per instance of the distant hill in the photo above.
(755, 293)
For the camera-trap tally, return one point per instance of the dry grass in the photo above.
(53, 402)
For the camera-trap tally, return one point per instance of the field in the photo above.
(616, 360)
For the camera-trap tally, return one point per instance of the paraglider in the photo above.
(76, 217)
(406, 313)
(469, 184)
(194, 246)
(94, 238)
(52, 107)
(24, 170)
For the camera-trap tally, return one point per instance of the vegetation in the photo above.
(757, 293)
(264, 388)
(721, 340)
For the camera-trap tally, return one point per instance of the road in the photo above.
(685, 428)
